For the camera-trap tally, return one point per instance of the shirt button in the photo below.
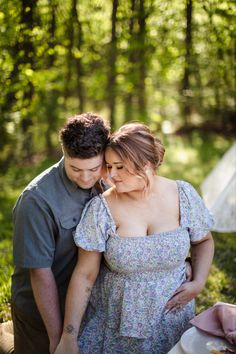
(74, 219)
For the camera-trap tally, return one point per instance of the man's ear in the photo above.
(63, 149)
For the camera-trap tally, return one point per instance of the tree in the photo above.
(186, 87)
(112, 55)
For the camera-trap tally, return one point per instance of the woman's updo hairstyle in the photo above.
(136, 145)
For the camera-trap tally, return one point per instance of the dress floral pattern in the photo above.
(139, 274)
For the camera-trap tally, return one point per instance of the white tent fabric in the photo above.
(219, 192)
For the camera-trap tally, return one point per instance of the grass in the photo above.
(190, 159)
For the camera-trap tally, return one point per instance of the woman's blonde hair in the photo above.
(135, 144)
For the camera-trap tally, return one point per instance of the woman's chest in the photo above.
(144, 220)
(151, 253)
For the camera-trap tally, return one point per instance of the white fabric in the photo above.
(219, 192)
(176, 350)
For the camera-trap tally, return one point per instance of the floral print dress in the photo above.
(126, 313)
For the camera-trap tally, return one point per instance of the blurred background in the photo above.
(170, 64)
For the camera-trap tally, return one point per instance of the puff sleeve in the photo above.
(92, 231)
(196, 217)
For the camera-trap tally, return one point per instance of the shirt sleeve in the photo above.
(34, 232)
(92, 231)
(197, 217)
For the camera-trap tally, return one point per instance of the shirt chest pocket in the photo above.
(69, 222)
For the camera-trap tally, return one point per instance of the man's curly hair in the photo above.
(84, 136)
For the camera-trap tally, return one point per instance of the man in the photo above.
(45, 217)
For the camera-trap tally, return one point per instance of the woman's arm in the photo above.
(202, 255)
(78, 294)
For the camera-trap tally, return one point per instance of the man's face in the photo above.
(84, 172)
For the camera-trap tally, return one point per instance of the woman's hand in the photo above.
(184, 294)
(67, 345)
(201, 256)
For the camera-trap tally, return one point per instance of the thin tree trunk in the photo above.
(74, 40)
(69, 57)
(131, 59)
(51, 97)
(142, 63)
(27, 21)
(111, 85)
(52, 31)
(187, 68)
(79, 66)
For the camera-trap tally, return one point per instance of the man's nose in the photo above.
(85, 176)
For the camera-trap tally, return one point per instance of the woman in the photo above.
(144, 225)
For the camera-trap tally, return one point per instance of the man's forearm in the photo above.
(46, 297)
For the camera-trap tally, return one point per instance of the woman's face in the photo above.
(121, 174)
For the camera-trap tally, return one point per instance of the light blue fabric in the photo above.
(127, 312)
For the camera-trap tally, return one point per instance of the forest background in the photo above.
(170, 64)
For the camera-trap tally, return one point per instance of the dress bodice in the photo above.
(140, 273)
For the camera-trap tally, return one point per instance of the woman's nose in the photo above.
(113, 172)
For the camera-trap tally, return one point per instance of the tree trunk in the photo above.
(78, 61)
(27, 22)
(186, 90)
(69, 57)
(52, 31)
(74, 41)
(131, 59)
(111, 85)
(50, 97)
(142, 61)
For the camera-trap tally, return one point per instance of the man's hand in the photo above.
(189, 270)
(53, 343)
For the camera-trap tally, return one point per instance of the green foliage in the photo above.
(56, 60)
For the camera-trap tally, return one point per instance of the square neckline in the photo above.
(178, 183)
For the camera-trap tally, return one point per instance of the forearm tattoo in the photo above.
(69, 329)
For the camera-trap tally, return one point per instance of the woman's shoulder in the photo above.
(171, 183)
(167, 182)
(183, 189)
(167, 185)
